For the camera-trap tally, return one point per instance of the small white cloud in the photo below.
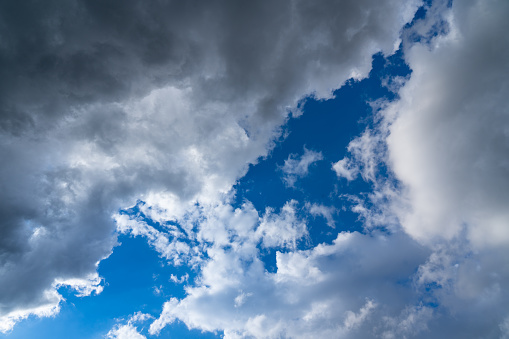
(178, 280)
(83, 287)
(366, 153)
(128, 330)
(326, 212)
(346, 168)
(168, 246)
(298, 167)
(282, 229)
(166, 317)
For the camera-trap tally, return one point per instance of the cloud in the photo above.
(235, 294)
(104, 103)
(295, 168)
(367, 151)
(128, 330)
(448, 141)
(444, 143)
(283, 229)
(323, 211)
(351, 286)
(346, 169)
(411, 322)
(46, 306)
(124, 332)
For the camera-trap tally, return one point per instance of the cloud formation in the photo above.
(106, 102)
(129, 330)
(298, 167)
(234, 292)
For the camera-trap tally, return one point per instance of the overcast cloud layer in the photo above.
(103, 103)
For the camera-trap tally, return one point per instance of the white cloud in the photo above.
(167, 244)
(241, 299)
(283, 229)
(298, 167)
(129, 330)
(326, 212)
(346, 168)
(180, 280)
(83, 287)
(367, 151)
(235, 294)
(504, 327)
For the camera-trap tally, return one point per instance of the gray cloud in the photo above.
(105, 101)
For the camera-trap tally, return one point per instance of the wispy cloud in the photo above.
(296, 167)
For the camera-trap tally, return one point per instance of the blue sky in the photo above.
(178, 171)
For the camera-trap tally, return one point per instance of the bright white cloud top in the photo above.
(131, 118)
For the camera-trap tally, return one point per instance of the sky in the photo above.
(263, 169)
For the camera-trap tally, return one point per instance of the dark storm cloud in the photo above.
(102, 101)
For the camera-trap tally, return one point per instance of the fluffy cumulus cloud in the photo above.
(235, 294)
(106, 102)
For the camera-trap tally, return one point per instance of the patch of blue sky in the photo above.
(327, 126)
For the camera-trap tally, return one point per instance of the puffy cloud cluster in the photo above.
(358, 285)
(106, 102)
